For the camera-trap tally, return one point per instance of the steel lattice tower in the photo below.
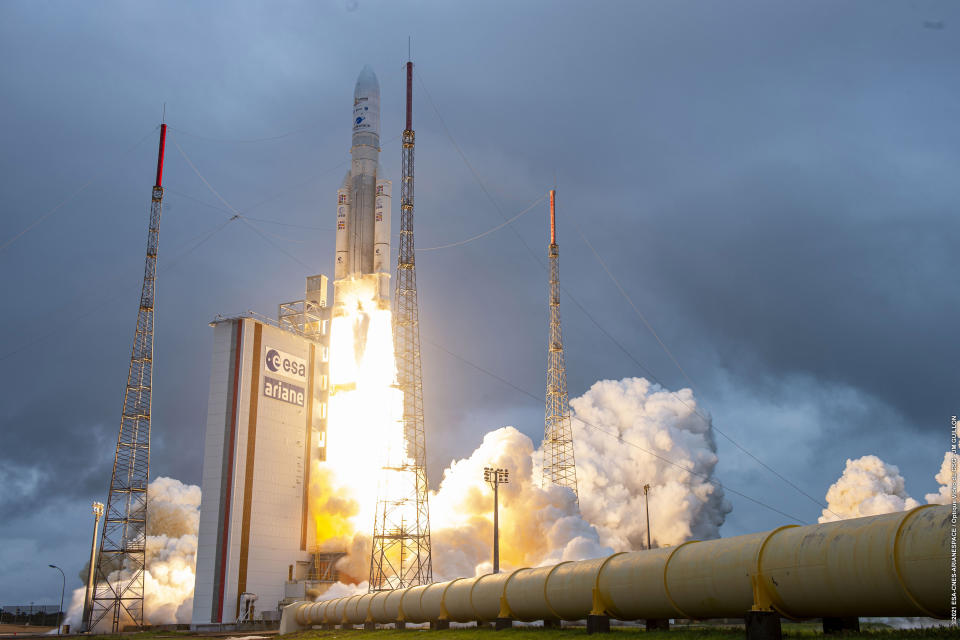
(119, 580)
(401, 535)
(559, 466)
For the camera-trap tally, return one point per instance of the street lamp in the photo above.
(87, 605)
(63, 588)
(646, 501)
(496, 477)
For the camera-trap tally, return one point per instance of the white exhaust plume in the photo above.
(172, 521)
(612, 474)
(868, 487)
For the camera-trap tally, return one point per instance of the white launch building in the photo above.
(266, 421)
(266, 414)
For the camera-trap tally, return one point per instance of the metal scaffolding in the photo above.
(324, 566)
(400, 556)
(559, 466)
(119, 580)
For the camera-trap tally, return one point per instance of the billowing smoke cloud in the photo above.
(537, 525)
(543, 525)
(868, 487)
(172, 521)
(612, 474)
(946, 477)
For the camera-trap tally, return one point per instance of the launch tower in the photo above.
(559, 466)
(119, 579)
(401, 547)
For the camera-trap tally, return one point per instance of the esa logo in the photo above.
(285, 364)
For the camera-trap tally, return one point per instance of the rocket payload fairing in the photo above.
(363, 208)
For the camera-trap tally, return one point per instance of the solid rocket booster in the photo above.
(363, 203)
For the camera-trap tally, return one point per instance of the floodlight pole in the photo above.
(496, 528)
(87, 605)
(646, 502)
(495, 477)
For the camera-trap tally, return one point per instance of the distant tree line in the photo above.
(40, 615)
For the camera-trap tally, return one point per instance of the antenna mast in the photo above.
(119, 579)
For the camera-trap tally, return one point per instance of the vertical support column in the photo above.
(839, 625)
(598, 624)
(658, 624)
(763, 625)
(496, 528)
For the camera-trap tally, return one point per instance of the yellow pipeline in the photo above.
(895, 564)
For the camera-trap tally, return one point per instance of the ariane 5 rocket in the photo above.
(363, 208)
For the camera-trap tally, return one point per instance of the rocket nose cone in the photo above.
(366, 104)
(367, 82)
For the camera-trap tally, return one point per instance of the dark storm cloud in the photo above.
(772, 183)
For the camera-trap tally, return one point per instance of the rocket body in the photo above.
(363, 206)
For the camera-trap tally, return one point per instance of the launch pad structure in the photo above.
(401, 555)
(266, 425)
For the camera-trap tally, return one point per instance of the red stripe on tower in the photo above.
(409, 96)
(163, 144)
(553, 216)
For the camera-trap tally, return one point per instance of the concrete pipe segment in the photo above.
(896, 564)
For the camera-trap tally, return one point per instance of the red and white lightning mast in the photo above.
(119, 579)
(559, 466)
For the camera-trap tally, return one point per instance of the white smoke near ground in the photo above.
(684, 503)
(868, 487)
(75, 608)
(544, 525)
(341, 590)
(173, 516)
(946, 477)
(538, 525)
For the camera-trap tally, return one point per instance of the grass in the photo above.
(697, 632)
(790, 630)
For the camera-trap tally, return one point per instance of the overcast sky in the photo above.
(774, 185)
